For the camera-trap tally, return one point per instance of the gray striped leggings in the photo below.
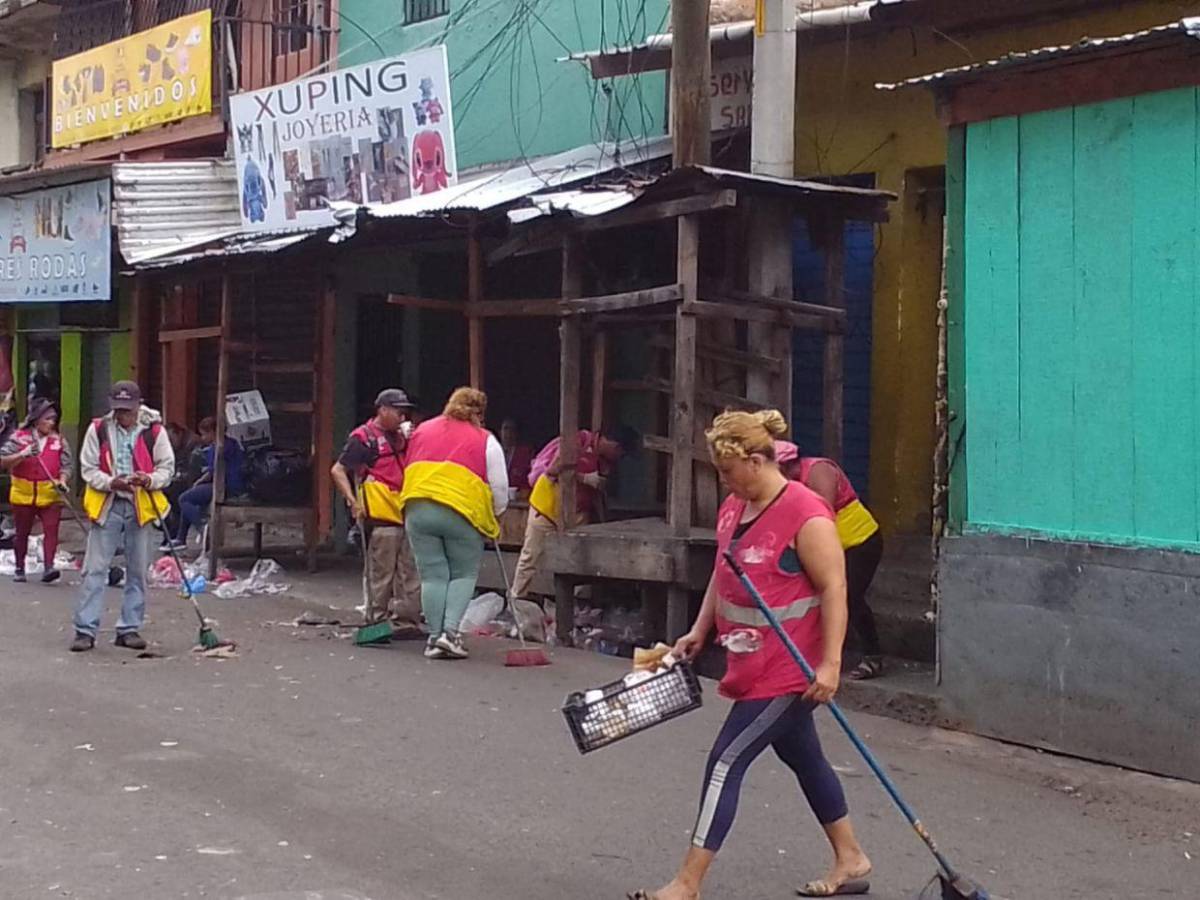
(785, 724)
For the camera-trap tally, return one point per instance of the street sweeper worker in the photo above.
(126, 461)
(596, 457)
(860, 537)
(455, 487)
(785, 538)
(41, 463)
(374, 458)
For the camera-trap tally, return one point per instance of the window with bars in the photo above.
(424, 10)
(293, 20)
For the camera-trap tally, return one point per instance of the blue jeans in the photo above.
(120, 528)
(194, 505)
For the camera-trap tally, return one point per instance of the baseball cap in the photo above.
(125, 395)
(38, 407)
(395, 398)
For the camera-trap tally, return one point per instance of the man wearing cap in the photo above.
(374, 453)
(126, 461)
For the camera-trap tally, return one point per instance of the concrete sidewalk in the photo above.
(309, 768)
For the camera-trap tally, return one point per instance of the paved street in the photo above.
(308, 768)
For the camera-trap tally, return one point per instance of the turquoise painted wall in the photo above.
(1081, 372)
(510, 98)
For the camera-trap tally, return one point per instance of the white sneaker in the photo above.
(452, 645)
(432, 650)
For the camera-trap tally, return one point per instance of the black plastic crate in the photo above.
(624, 710)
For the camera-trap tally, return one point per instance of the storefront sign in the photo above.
(156, 76)
(56, 244)
(374, 133)
(731, 93)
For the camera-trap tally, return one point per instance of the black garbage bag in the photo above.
(278, 477)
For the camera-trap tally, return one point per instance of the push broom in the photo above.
(527, 656)
(208, 637)
(955, 886)
(377, 633)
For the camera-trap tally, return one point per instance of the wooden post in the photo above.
(691, 71)
(475, 295)
(570, 338)
(683, 411)
(834, 241)
(599, 378)
(142, 334)
(215, 528)
(323, 404)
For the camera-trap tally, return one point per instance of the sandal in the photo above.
(823, 888)
(641, 895)
(870, 667)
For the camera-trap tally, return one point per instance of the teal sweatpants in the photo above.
(448, 551)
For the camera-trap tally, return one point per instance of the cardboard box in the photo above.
(247, 420)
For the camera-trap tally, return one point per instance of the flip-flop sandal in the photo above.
(870, 667)
(641, 895)
(822, 888)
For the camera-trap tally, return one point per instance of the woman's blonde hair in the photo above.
(737, 435)
(467, 405)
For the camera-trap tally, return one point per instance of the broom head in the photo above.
(961, 888)
(526, 657)
(373, 635)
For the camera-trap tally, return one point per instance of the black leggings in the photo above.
(861, 563)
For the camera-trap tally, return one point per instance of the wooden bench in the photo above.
(241, 512)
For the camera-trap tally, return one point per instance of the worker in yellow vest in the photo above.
(374, 456)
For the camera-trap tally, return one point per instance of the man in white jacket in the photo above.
(126, 461)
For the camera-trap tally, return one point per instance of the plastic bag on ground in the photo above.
(33, 559)
(264, 578)
(482, 613)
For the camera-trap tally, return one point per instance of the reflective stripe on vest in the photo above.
(752, 617)
(447, 463)
(145, 502)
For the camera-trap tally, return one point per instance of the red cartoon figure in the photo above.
(428, 162)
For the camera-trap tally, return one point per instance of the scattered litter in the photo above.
(165, 574)
(283, 843)
(151, 654)
(216, 851)
(160, 857)
(482, 612)
(33, 559)
(308, 617)
(168, 743)
(225, 651)
(261, 580)
(489, 616)
(88, 747)
(132, 788)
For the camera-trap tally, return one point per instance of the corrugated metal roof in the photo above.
(241, 244)
(163, 207)
(512, 185)
(1189, 27)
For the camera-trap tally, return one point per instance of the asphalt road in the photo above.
(309, 769)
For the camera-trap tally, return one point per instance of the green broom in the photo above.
(370, 635)
(208, 637)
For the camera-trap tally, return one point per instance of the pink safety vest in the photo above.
(845, 493)
(769, 671)
(389, 467)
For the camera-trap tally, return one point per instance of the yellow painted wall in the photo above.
(845, 126)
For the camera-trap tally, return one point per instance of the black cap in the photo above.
(38, 407)
(125, 395)
(395, 398)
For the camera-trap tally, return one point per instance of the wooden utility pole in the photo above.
(691, 72)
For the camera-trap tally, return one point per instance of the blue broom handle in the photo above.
(836, 710)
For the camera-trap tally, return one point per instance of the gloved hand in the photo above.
(593, 480)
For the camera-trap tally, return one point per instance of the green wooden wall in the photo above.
(1079, 323)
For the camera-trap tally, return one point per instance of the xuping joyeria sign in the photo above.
(156, 76)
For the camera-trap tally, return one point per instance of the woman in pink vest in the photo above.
(785, 537)
(41, 463)
(455, 486)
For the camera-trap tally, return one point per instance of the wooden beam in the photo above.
(570, 336)
(474, 298)
(543, 307)
(324, 379)
(717, 399)
(1058, 84)
(658, 444)
(189, 334)
(540, 237)
(683, 405)
(599, 378)
(281, 368)
(708, 309)
(430, 303)
(691, 71)
(721, 294)
(301, 408)
(835, 360)
(721, 353)
(624, 301)
(215, 523)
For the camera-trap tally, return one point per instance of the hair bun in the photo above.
(773, 421)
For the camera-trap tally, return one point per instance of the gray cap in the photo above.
(125, 395)
(395, 398)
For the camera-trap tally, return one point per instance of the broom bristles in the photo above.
(526, 657)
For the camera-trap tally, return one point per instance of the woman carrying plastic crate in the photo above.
(785, 538)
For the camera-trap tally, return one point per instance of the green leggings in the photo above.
(448, 551)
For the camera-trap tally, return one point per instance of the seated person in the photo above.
(518, 456)
(195, 502)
